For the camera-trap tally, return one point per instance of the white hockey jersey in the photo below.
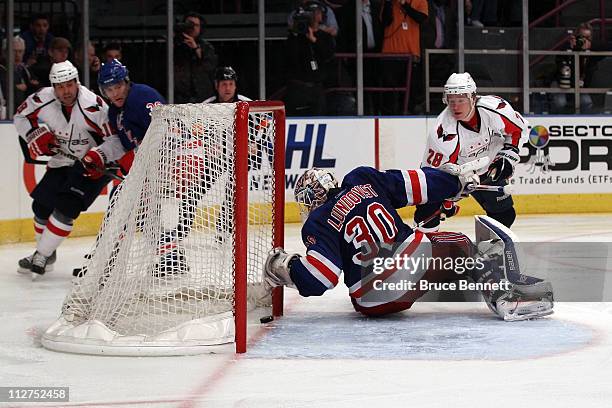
(454, 141)
(85, 126)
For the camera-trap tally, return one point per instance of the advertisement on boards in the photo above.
(566, 155)
(336, 144)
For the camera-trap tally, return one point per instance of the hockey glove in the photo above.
(502, 166)
(94, 164)
(466, 173)
(276, 269)
(448, 209)
(41, 142)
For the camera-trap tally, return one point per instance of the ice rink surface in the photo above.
(322, 354)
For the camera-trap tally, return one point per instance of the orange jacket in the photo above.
(402, 36)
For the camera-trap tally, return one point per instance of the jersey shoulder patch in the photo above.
(446, 128)
(87, 97)
(44, 95)
(495, 106)
(492, 102)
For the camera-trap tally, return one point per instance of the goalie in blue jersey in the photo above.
(354, 229)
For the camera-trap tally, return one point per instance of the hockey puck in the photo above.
(266, 319)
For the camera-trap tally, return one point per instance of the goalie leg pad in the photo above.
(528, 297)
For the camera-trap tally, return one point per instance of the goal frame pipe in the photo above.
(279, 201)
(278, 110)
(241, 207)
(241, 190)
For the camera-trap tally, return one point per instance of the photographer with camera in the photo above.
(195, 61)
(328, 23)
(581, 41)
(310, 51)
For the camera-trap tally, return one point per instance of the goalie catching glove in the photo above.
(94, 163)
(42, 142)
(277, 267)
(502, 166)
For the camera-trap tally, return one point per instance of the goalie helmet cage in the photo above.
(179, 258)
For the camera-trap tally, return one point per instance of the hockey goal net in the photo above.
(179, 258)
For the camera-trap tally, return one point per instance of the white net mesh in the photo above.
(162, 271)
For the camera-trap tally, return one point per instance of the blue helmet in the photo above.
(111, 73)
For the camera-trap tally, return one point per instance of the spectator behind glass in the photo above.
(481, 13)
(440, 31)
(372, 27)
(25, 84)
(113, 51)
(194, 61)
(309, 52)
(94, 65)
(37, 39)
(402, 20)
(581, 41)
(329, 24)
(372, 36)
(59, 50)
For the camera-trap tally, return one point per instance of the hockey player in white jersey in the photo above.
(62, 121)
(469, 128)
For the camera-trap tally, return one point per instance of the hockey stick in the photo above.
(480, 187)
(109, 171)
(500, 189)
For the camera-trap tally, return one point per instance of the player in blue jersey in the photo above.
(354, 228)
(129, 115)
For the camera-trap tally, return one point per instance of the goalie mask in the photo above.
(311, 189)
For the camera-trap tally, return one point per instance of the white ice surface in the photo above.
(322, 354)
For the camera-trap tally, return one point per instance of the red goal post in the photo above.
(243, 110)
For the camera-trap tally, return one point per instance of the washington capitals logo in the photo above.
(93, 108)
(36, 98)
(443, 135)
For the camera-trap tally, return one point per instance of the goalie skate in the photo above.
(524, 302)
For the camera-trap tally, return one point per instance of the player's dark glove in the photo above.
(94, 163)
(503, 164)
(42, 142)
(448, 209)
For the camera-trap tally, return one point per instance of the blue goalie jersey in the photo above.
(355, 225)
